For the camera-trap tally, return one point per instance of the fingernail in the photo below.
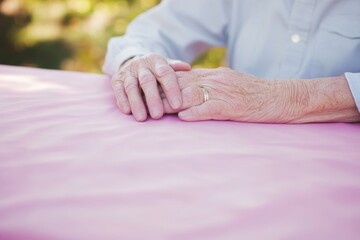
(183, 115)
(140, 117)
(156, 113)
(176, 103)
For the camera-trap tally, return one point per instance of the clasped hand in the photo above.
(152, 84)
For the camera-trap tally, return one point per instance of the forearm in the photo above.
(237, 96)
(319, 100)
(165, 30)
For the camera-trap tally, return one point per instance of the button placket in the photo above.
(295, 38)
(299, 28)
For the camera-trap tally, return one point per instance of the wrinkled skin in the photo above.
(233, 96)
(155, 85)
(143, 74)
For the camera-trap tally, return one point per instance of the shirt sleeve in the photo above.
(354, 84)
(175, 29)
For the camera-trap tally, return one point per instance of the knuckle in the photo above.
(153, 56)
(146, 79)
(131, 86)
(150, 60)
(130, 68)
(117, 77)
(127, 67)
(168, 86)
(164, 70)
(118, 87)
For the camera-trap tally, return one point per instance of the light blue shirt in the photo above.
(276, 39)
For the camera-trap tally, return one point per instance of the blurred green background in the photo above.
(70, 34)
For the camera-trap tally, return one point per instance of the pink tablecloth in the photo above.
(73, 167)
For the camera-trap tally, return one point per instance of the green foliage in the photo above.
(70, 34)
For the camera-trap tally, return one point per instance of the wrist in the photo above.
(298, 99)
(327, 100)
(293, 99)
(275, 102)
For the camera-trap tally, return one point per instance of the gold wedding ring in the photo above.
(205, 93)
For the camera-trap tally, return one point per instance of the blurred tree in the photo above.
(70, 34)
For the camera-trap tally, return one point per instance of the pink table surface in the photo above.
(73, 167)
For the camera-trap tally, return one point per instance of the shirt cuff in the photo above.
(354, 84)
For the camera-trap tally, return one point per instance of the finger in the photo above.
(167, 78)
(178, 65)
(167, 108)
(192, 96)
(206, 111)
(149, 86)
(133, 92)
(120, 95)
(196, 113)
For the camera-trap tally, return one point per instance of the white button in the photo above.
(295, 38)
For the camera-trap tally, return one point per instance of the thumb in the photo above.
(178, 65)
(197, 113)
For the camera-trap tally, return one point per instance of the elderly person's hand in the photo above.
(140, 76)
(224, 94)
